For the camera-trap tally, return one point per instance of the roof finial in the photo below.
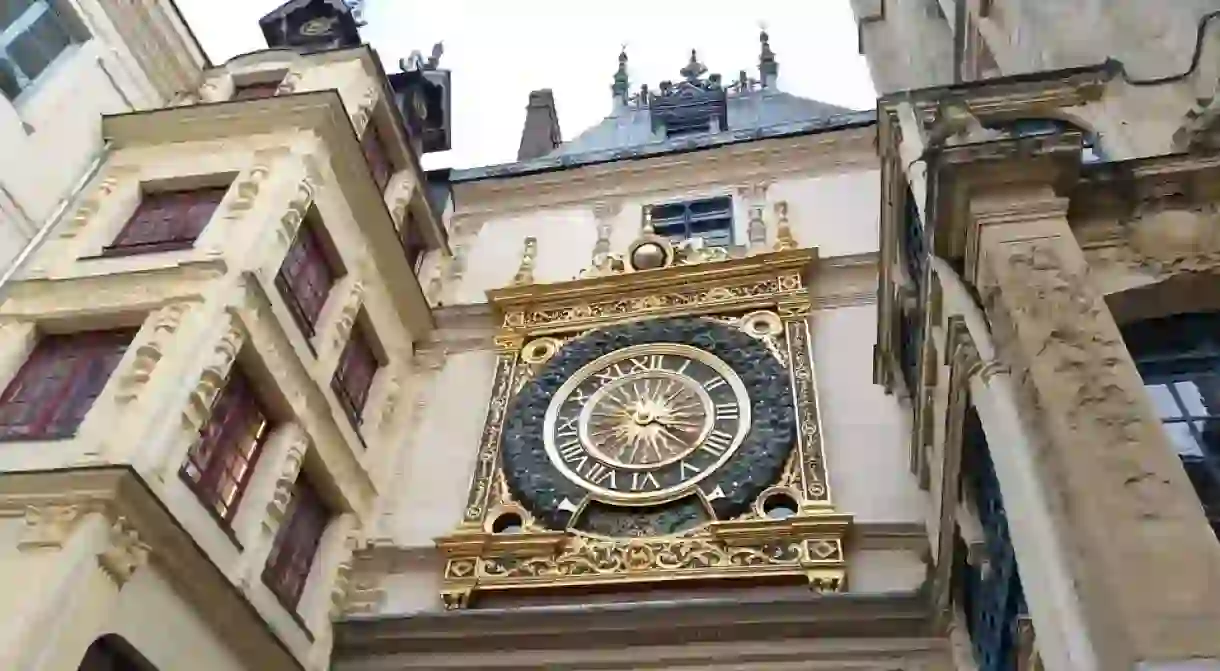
(768, 67)
(621, 80)
(694, 69)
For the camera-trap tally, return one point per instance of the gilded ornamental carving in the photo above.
(655, 420)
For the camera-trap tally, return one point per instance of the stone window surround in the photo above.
(162, 237)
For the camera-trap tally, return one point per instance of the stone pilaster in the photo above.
(1142, 555)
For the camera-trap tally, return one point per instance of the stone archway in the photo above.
(113, 653)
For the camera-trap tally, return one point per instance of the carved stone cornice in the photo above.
(672, 632)
(143, 529)
(54, 298)
(755, 281)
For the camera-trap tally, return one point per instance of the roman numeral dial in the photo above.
(646, 423)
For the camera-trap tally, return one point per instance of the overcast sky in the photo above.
(499, 51)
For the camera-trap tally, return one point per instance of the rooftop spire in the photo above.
(768, 67)
(621, 80)
(694, 69)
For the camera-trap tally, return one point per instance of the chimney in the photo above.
(541, 133)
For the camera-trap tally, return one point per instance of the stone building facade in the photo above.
(1046, 310)
(731, 380)
(203, 356)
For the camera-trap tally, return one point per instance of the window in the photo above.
(379, 160)
(413, 241)
(1179, 359)
(710, 219)
(219, 464)
(57, 385)
(166, 220)
(296, 544)
(255, 90)
(32, 35)
(354, 375)
(112, 653)
(306, 276)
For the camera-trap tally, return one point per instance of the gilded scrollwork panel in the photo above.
(487, 459)
(809, 430)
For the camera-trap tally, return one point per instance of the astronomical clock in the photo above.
(654, 420)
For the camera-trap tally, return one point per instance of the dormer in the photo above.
(422, 93)
(313, 25)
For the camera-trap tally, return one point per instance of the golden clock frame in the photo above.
(535, 320)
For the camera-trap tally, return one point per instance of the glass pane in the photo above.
(9, 85)
(11, 9)
(1183, 439)
(1192, 400)
(34, 49)
(1164, 402)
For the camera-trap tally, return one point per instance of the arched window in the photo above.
(1179, 360)
(1032, 126)
(113, 653)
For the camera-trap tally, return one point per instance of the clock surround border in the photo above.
(736, 550)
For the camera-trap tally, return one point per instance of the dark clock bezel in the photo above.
(757, 464)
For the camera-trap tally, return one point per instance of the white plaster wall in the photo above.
(49, 133)
(441, 449)
(833, 211)
(864, 434)
(836, 212)
(155, 620)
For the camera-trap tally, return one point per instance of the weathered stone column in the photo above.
(1146, 564)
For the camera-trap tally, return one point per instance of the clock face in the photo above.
(662, 423)
(646, 422)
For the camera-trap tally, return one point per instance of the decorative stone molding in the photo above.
(754, 196)
(347, 316)
(364, 110)
(161, 325)
(291, 220)
(216, 370)
(211, 91)
(294, 456)
(49, 526)
(607, 209)
(289, 83)
(784, 239)
(529, 254)
(126, 552)
(1169, 236)
(246, 189)
(398, 211)
(90, 206)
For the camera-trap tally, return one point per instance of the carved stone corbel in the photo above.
(364, 110)
(289, 83)
(247, 187)
(125, 554)
(347, 316)
(161, 325)
(93, 203)
(281, 496)
(214, 374)
(291, 220)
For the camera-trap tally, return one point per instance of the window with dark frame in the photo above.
(306, 276)
(219, 464)
(166, 220)
(1179, 360)
(250, 90)
(296, 544)
(32, 36)
(709, 218)
(354, 375)
(377, 156)
(54, 389)
(413, 242)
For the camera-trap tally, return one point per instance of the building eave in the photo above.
(323, 113)
(677, 146)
